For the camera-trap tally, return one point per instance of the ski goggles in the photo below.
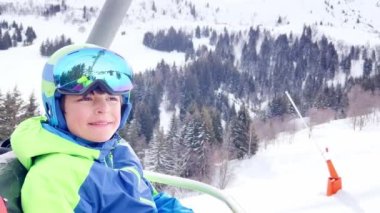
(83, 70)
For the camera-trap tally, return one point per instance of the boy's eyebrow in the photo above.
(93, 92)
(88, 93)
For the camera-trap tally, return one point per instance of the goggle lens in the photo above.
(78, 71)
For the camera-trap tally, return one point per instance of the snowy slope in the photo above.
(290, 176)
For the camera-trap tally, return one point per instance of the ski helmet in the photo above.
(78, 69)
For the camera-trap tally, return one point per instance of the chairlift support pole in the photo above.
(108, 23)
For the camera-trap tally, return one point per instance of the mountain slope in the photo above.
(333, 17)
(290, 175)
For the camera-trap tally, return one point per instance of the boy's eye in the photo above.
(85, 99)
(113, 98)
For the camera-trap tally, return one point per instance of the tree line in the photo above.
(169, 40)
(11, 35)
(49, 46)
(209, 95)
(13, 110)
(205, 128)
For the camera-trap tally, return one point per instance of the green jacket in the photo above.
(69, 175)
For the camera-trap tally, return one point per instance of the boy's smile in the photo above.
(94, 117)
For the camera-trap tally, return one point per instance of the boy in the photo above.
(75, 159)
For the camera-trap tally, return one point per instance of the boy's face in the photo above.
(94, 117)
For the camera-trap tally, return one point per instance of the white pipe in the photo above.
(324, 152)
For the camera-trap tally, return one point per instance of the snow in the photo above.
(340, 78)
(165, 116)
(358, 67)
(290, 174)
(6, 157)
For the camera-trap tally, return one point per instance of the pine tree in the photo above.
(187, 138)
(240, 138)
(176, 165)
(63, 5)
(196, 137)
(5, 41)
(278, 107)
(48, 47)
(131, 133)
(14, 41)
(30, 109)
(224, 47)
(154, 8)
(367, 67)
(217, 127)
(30, 36)
(145, 117)
(18, 35)
(213, 38)
(156, 157)
(197, 32)
(3, 133)
(12, 114)
(85, 15)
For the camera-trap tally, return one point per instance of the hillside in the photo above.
(222, 96)
(290, 176)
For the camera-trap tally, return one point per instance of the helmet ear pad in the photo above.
(125, 110)
(59, 112)
(53, 110)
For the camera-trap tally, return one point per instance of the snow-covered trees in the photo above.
(48, 47)
(156, 155)
(31, 108)
(132, 133)
(195, 138)
(13, 110)
(181, 152)
(12, 34)
(176, 149)
(169, 40)
(243, 139)
(30, 35)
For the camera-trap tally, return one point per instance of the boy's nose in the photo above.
(101, 106)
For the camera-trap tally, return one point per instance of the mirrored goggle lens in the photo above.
(76, 73)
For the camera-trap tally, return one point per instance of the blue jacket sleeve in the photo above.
(166, 203)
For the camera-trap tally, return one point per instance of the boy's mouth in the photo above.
(100, 123)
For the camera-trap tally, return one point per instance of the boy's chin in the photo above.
(98, 139)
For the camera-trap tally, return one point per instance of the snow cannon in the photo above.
(334, 183)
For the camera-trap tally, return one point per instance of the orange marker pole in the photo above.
(3, 206)
(334, 182)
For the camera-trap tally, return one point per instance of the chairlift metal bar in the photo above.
(108, 23)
